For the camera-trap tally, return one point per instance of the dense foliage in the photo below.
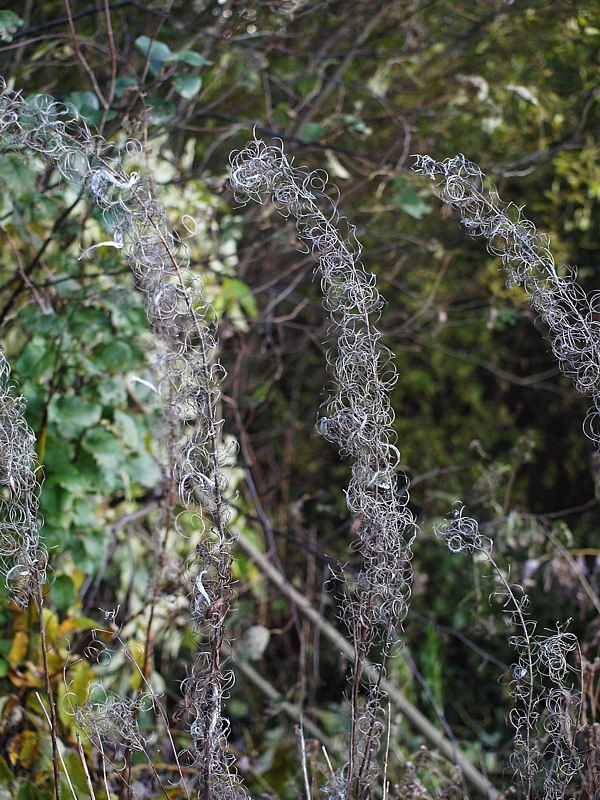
(482, 414)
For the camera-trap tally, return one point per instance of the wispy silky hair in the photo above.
(23, 557)
(185, 327)
(359, 418)
(572, 316)
(108, 718)
(546, 712)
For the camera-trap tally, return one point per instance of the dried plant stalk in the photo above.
(23, 557)
(359, 420)
(571, 315)
(184, 323)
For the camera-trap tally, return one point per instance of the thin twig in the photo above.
(56, 755)
(84, 765)
(52, 718)
(81, 58)
(387, 750)
(300, 734)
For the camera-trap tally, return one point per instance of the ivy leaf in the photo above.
(187, 85)
(84, 516)
(114, 356)
(34, 360)
(143, 469)
(17, 179)
(112, 392)
(95, 551)
(70, 477)
(158, 52)
(106, 450)
(127, 429)
(72, 415)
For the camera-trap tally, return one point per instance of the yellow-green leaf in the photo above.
(23, 749)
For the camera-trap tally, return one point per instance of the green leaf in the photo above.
(129, 319)
(94, 548)
(143, 469)
(17, 178)
(78, 549)
(86, 104)
(161, 111)
(84, 100)
(73, 414)
(6, 775)
(104, 446)
(409, 201)
(57, 507)
(112, 392)
(128, 430)
(192, 58)
(34, 361)
(311, 132)
(83, 513)
(58, 454)
(63, 592)
(29, 791)
(187, 85)
(113, 356)
(48, 325)
(77, 776)
(123, 84)
(236, 291)
(70, 477)
(89, 322)
(9, 24)
(160, 52)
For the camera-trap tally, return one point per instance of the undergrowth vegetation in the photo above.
(193, 605)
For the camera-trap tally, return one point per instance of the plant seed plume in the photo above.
(572, 316)
(359, 420)
(185, 327)
(545, 716)
(23, 557)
